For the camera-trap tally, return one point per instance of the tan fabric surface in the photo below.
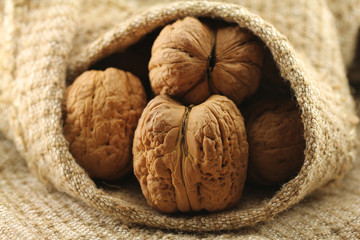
(28, 210)
(347, 22)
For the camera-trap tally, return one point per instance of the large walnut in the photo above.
(276, 141)
(102, 110)
(191, 61)
(191, 158)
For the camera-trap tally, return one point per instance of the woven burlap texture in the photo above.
(45, 42)
(347, 22)
(29, 211)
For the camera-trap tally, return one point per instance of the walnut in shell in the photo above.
(102, 109)
(191, 61)
(276, 141)
(191, 158)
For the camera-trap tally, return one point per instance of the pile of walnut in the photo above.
(192, 148)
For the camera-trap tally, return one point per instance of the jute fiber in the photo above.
(347, 22)
(45, 43)
(29, 211)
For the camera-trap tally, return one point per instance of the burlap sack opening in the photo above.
(321, 90)
(118, 42)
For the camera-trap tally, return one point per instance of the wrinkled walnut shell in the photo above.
(191, 158)
(276, 141)
(102, 110)
(191, 61)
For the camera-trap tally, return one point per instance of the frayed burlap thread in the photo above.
(301, 36)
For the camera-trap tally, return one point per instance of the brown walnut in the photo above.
(191, 158)
(276, 141)
(192, 60)
(102, 110)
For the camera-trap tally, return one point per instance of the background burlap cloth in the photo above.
(47, 39)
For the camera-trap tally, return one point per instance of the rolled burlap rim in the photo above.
(328, 115)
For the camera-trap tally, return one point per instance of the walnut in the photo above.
(192, 60)
(102, 110)
(276, 141)
(191, 158)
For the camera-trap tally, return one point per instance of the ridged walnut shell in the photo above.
(191, 61)
(191, 158)
(276, 141)
(102, 109)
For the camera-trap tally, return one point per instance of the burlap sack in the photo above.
(347, 22)
(46, 42)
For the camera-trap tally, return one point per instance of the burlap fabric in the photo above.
(45, 42)
(29, 211)
(347, 22)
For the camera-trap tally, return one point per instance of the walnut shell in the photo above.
(191, 158)
(276, 141)
(191, 61)
(102, 110)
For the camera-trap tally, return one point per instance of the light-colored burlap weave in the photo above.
(29, 211)
(45, 42)
(347, 22)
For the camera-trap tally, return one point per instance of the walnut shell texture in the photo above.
(102, 110)
(191, 61)
(191, 158)
(276, 141)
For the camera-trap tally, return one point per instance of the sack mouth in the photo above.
(148, 23)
